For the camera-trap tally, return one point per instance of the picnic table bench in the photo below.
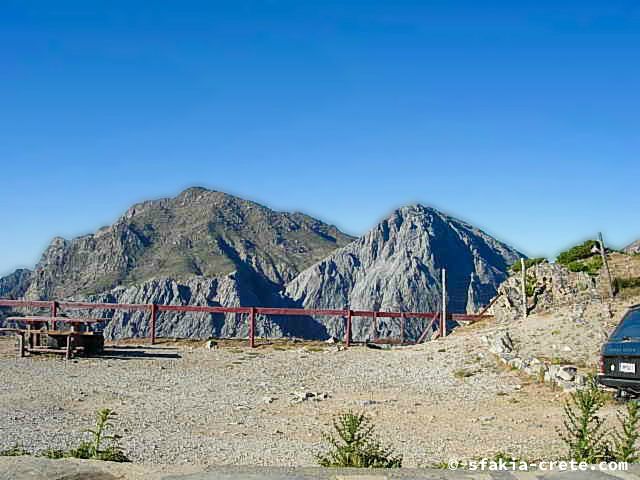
(41, 335)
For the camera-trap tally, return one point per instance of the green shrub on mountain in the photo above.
(582, 258)
(591, 266)
(528, 263)
(579, 252)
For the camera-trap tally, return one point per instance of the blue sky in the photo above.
(520, 117)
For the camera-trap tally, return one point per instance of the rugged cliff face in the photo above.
(13, 286)
(397, 265)
(16, 284)
(200, 233)
(232, 290)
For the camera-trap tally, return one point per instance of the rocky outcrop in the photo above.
(550, 286)
(200, 233)
(566, 376)
(396, 266)
(633, 248)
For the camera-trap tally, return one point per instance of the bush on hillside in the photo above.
(528, 263)
(591, 265)
(622, 283)
(579, 252)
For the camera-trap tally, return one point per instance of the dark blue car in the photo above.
(620, 356)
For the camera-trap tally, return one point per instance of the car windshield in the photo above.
(629, 327)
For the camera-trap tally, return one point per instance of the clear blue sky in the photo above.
(520, 117)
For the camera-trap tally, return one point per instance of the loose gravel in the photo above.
(186, 404)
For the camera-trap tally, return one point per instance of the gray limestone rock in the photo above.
(397, 265)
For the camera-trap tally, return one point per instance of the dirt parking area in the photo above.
(184, 403)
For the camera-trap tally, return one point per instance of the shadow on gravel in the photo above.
(132, 353)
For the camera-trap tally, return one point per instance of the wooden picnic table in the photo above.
(65, 342)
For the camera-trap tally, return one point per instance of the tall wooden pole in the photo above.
(443, 319)
(525, 306)
(605, 262)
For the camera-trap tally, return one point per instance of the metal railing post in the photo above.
(375, 326)
(347, 335)
(154, 316)
(252, 328)
(54, 313)
(402, 329)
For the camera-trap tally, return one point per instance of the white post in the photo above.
(523, 267)
(443, 320)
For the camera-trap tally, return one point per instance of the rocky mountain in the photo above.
(13, 286)
(16, 284)
(199, 234)
(208, 248)
(397, 265)
(633, 248)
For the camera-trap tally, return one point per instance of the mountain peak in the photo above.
(396, 266)
(200, 232)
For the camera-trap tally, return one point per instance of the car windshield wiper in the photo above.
(628, 338)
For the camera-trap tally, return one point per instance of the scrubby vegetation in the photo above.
(625, 283)
(101, 446)
(14, 451)
(530, 285)
(356, 445)
(591, 266)
(528, 263)
(579, 252)
(625, 440)
(585, 434)
(582, 258)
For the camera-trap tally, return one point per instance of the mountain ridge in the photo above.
(209, 248)
(200, 232)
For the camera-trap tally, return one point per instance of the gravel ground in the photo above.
(185, 404)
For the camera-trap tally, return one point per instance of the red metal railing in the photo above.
(154, 309)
